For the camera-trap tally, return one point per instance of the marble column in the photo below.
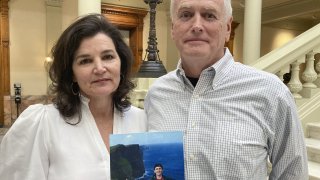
(71, 9)
(69, 12)
(92, 6)
(252, 31)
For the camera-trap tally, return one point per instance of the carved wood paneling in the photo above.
(131, 19)
(4, 56)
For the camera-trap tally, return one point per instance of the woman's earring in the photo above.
(74, 88)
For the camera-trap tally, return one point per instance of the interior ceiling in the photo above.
(289, 14)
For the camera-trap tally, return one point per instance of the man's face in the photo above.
(200, 29)
(158, 171)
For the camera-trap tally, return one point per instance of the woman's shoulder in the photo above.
(132, 120)
(25, 138)
(32, 117)
(134, 113)
(135, 110)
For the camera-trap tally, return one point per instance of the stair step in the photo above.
(313, 130)
(314, 170)
(313, 149)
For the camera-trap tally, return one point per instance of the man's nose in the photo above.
(197, 26)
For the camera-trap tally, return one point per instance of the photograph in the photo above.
(147, 156)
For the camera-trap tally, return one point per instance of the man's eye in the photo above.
(209, 16)
(185, 15)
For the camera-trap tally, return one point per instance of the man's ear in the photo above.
(172, 36)
(229, 28)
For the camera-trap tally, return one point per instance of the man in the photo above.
(234, 118)
(158, 173)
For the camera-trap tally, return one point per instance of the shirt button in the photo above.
(193, 124)
(196, 96)
(192, 157)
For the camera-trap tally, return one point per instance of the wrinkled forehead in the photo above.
(216, 5)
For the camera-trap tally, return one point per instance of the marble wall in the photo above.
(12, 111)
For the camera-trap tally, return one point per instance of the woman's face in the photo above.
(96, 66)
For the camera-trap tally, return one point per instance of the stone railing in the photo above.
(138, 95)
(299, 62)
(300, 58)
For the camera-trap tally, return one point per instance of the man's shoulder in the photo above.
(167, 79)
(254, 79)
(169, 76)
(242, 70)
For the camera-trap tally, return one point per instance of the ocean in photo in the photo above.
(169, 155)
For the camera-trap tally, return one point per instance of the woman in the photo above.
(69, 139)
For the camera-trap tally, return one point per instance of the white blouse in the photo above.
(42, 146)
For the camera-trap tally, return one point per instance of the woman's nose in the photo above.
(100, 67)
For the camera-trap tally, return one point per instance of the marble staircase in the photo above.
(313, 148)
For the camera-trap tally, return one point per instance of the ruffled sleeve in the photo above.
(23, 150)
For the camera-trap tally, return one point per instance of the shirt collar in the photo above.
(221, 68)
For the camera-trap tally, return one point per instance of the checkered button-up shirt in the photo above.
(233, 120)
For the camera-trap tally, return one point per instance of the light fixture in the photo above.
(47, 63)
(152, 67)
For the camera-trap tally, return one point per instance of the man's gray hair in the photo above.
(227, 7)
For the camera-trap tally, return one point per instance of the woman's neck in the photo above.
(102, 112)
(101, 107)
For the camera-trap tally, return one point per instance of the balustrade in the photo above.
(317, 67)
(309, 75)
(295, 84)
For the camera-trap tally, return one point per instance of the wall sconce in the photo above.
(17, 96)
(47, 63)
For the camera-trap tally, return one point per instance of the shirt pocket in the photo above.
(235, 148)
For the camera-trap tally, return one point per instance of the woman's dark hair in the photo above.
(63, 53)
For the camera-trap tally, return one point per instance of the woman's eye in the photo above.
(84, 61)
(108, 57)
